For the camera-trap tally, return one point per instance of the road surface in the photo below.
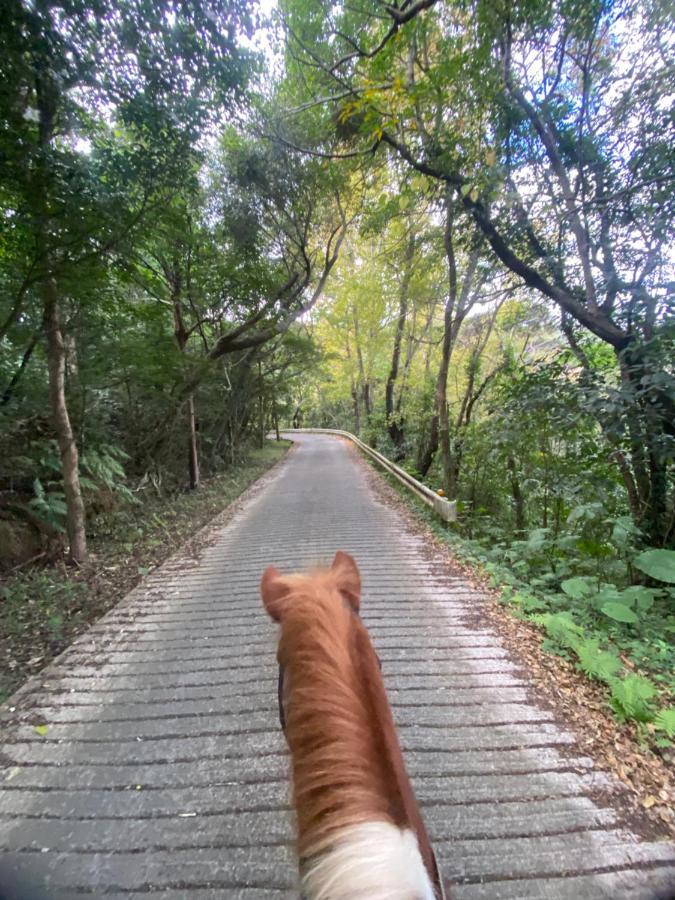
(162, 769)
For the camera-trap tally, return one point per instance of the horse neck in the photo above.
(405, 810)
(347, 762)
(338, 776)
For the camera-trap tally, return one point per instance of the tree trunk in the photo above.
(394, 425)
(649, 463)
(56, 365)
(357, 408)
(48, 98)
(367, 399)
(181, 334)
(454, 468)
(363, 378)
(193, 453)
(449, 334)
(428, 447)
(261, 408)
(517, 494)
(642, 466)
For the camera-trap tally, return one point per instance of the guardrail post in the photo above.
(446, 509)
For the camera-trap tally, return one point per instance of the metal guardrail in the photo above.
(446, 509)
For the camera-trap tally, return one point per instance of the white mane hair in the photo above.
(370, 861)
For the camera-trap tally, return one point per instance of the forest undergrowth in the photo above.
(44, 607)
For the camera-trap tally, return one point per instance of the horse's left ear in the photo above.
(347, 578)
(273, 592)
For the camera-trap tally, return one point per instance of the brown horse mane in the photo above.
(347, 762)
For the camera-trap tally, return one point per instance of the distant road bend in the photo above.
(163, 770)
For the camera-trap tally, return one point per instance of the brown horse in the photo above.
(360, 832)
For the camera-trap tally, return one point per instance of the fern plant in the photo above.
(103, 467)
(665, 721)
(596, 663)
(563, 630)
(630, 698)
(50, 506)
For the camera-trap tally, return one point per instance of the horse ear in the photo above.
(347, 578)
(272, 592)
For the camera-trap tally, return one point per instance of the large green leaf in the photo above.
(659, 564)
(620, 613)
(643, 595)
(578, 587)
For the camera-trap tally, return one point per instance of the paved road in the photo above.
(163, 770)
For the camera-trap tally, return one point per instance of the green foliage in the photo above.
(49, 506)
(665, 721)
(631, 696)
(579, 587)
(561, 460)
(596, 663)
(563, 630)
(658, 564)
(619, 613)
(104, 468)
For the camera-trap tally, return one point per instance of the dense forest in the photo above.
(444, 226)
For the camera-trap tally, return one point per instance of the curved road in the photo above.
(163, 770)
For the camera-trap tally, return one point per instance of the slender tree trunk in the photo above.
(275, 416)
(354, 393)
(48, 98)
(261, 408)
(413, 346)
(367, 399)
(394, 426)
(449, 334)
(364, 380)
(454, 468)
(193, 452)
(357, 408)
(517, 494)
(56, 364)
(428, 447)
(181, 334)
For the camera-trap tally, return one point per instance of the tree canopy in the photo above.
(443, 225)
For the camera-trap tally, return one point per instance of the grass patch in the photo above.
(43, 609)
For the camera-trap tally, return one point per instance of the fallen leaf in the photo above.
(42, 730)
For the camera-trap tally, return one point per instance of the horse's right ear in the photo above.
(273, 592)
(347, 578)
